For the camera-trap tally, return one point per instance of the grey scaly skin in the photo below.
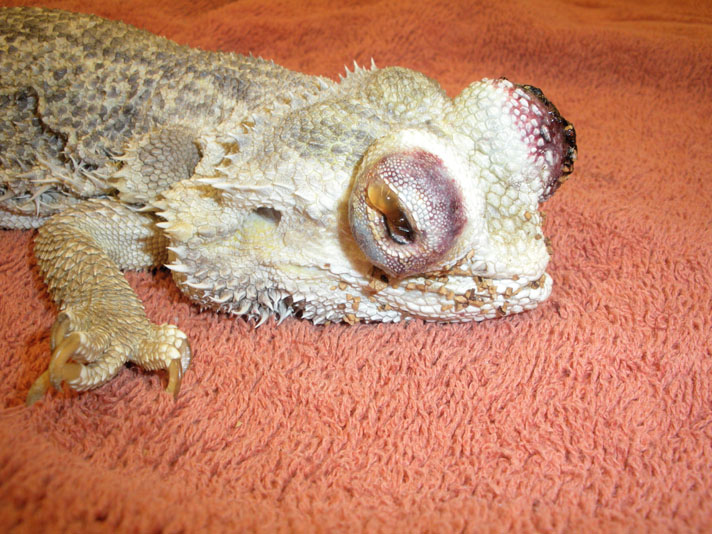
(265, 191)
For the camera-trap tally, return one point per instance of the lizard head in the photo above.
(458, 212)
(393, 202)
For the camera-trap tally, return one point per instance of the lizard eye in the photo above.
(406, 212)
(383, 199)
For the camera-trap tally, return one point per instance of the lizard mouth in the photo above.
(406, 212)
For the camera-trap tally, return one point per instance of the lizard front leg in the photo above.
(102, 323)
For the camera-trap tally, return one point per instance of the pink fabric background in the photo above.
(591, 414)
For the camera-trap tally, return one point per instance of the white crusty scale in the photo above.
(265, 191)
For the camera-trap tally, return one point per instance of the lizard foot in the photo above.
(86, 358)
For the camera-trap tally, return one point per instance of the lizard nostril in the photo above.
(555, 137)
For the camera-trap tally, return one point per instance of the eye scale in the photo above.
(265, 191)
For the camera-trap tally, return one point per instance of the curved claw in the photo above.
(175, 374)
(38, 389)
(60, 370)
(59, 330)
(166, 348)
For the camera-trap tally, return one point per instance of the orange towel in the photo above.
(592, 413)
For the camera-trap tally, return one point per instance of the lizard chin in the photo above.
(406, 211)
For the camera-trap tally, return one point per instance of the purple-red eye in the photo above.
(406, 212)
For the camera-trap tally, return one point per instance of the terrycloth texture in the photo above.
(592, 413)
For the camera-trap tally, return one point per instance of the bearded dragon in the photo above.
(264, 191)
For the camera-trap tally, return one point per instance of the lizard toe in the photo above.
(83, 356)
(61, 369)
(166, 348)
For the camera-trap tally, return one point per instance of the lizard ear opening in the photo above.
(269, 214)
(261, 225)
(406, 211)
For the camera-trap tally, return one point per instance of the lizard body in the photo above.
(265, 191)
